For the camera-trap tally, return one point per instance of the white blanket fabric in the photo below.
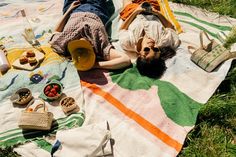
(87, 141)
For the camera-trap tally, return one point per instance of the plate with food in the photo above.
(29, 60)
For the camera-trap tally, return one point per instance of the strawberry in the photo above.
(56, 87)
(51, 95)
(48, 88)
(47, 92)
(53, 90)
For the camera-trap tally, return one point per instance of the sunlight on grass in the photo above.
(223, 7)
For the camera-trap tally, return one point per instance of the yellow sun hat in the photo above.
(82, 54)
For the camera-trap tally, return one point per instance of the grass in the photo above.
(8, 152)
(215, 132)
(223, 7)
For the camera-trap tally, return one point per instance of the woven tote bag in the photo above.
(210, 56)
(33, 119)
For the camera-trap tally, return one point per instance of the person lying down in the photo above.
(146, 32)
(84, 20)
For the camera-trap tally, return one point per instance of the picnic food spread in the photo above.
(52, 91)
(29, 59)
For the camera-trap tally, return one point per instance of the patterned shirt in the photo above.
(83, 25)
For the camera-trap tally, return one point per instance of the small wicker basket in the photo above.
(33, 119)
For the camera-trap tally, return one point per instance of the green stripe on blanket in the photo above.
(44, 144)
(17, 136)
(219, 27)
(200, 27)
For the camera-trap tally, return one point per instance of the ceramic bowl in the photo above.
(52, 90)
(21, 96)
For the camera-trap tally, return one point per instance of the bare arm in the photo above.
(163, 20)
(128, 21)
(117, 60)
(60, 26)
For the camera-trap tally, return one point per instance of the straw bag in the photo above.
(208, 57)
(33, 119)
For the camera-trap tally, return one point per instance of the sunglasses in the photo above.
(155, 49)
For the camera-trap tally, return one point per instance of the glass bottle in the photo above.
(4, 63)
(28, 29)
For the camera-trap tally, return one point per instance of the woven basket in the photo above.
(67, 104)
(34, 119)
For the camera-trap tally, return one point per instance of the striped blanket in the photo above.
(53, 66)
(147, 117)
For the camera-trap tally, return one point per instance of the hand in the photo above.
(140, 9)
(74, 5)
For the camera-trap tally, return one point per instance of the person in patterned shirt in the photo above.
(85, 19)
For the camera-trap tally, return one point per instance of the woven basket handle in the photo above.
(201, 39)
(190, 48)
(45, 109)
(233, 54)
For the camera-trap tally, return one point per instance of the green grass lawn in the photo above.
(224, 7)
(215, 132)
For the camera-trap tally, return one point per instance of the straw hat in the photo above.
(82, 53)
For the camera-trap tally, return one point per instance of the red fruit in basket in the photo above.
(56, 87)
(53, 90)
(47, 92)
(48, 88)
(51, 95)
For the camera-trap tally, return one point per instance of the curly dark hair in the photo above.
(156, 67)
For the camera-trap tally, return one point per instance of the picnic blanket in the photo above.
(147, 117)
(52, 67)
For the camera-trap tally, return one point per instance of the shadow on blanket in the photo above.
(32, 134)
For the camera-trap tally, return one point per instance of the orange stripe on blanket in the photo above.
(136, 117)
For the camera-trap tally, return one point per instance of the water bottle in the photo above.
(4, 64)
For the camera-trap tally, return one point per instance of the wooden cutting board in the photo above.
(38, 55)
